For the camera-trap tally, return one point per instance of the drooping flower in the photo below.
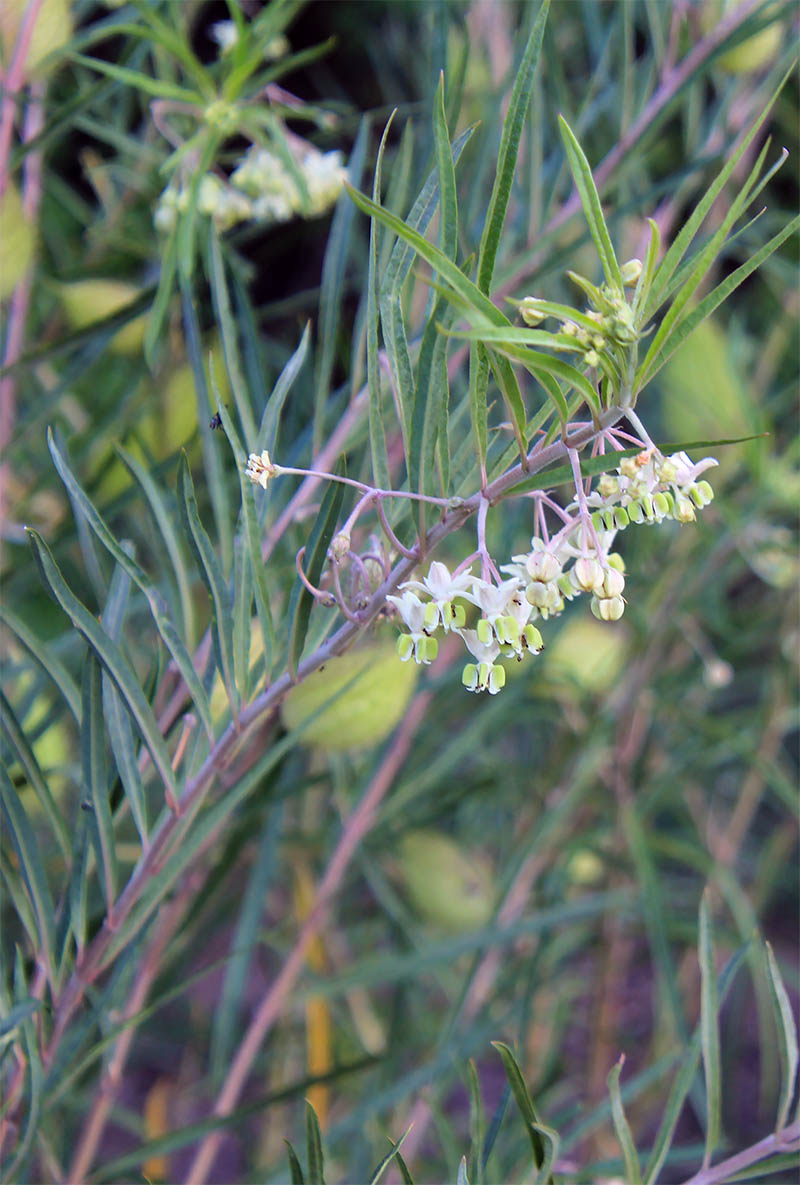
(443, 588)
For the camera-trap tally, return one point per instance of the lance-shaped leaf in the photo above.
(633, 1172)
(110, 656)
(476, 1123)
(252, 538)
(31, 868)
(95, 778)
(158, 607)
(47, 659)
(590, 200)
(709, 1029)
(377, 431)
(228, 332)
(316, 1164)
(430, 399)
(210, 570)
(378, 1172)
(23, 751)
(523, 1100)
(787, 1034)
(270, 420)
(448, 221)
(509, 148)
(683, 239)
(301, 602)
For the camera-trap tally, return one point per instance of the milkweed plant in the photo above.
(480, 407)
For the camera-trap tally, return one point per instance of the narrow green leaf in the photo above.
(376, 1175)
(270, 420)
(787, 1034)
(478, 408)
(165, 522)
(316, 1174)
(79, 884)
(214, 476)
(221, 623)
(332, 287)
(476, 1124)
(252, 538)
(404, 1171)
(228, 332)
(715, 298)
(377, 432)
(448, 202)
(645, 282)
(295, 1171)
(31, 868)
(110, 656)
(242, 580)
(428, 400)
(16, 1015)
(590, 200)
(537, 362)
(509, 148)
(680, 245)
(34, 1081)
(448, 270)
(709, 1030)
(683, 1081)
(123, 750)
(50, 663)
(552, 1142)
(160, 307)
(523, 1101)
(698, 268)
(208, 142)
(316, 550)
(95, 777)
(141, 83)
(633, 1171)
(24, 753)
(158, 608)
(244, 944)
(512, 397)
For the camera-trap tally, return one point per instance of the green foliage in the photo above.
(205, 921)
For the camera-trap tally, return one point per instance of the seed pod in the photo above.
(447, 886)
(355, 700)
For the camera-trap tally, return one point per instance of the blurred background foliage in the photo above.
(613, 779)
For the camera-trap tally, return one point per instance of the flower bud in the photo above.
(608, 485)
(628, 467)
(630, 272)
(340, 545)
(530, 312)
(537, 593)
(613, 583)
(543, 565)
(586, 574)
(608, 608)
(591, 358)
(667, 470)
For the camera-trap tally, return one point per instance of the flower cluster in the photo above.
(650, 487)
(504, 627)
(264, 188)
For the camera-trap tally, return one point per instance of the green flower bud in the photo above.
(591, 358)
(586, 574)
(538, 594)
(630, 272)
(608, 485)
(530, 312)
(613, 583)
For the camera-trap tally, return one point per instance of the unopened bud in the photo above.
(530, 312)
(586, 574)
(608, 608)
(630, 272)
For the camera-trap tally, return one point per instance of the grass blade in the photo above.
(552, 1142)
(270, 420)
(295, 1170)
(633, 1172)
(477, 1124)
(110, 656)
(445, 168)
(228, 332)
(387, 1160)
(509, 148)
(709, 1030)
(46, 658)
(787, 1033)
(316, 1165)
(523, 1101)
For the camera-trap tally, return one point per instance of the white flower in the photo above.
(260, 469)
(443, 589)
(417, 643)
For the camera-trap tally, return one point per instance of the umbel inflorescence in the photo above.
(495, 611)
